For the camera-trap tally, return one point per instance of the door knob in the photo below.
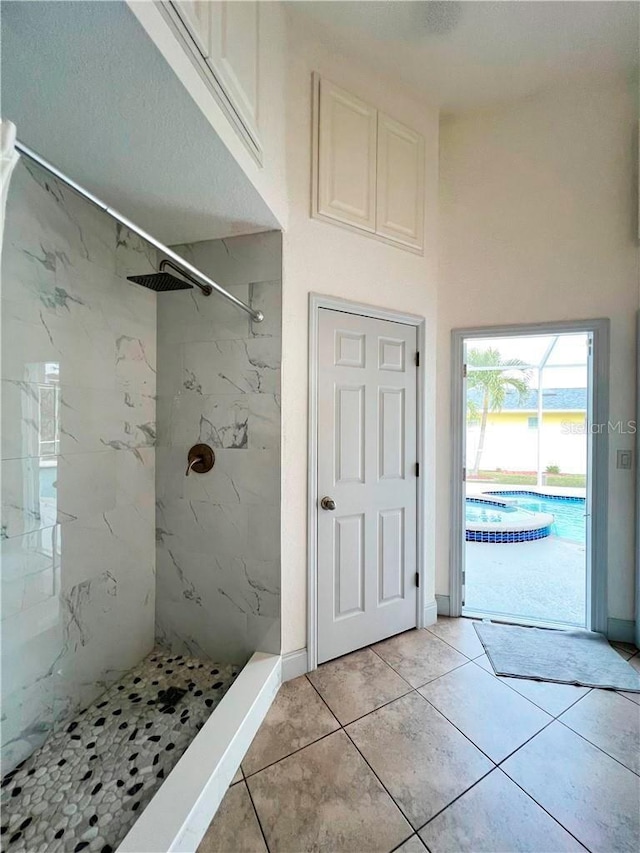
(328, 503)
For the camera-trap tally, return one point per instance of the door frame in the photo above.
(333, 303)
(598, 461)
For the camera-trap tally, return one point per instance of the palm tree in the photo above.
(494, 381)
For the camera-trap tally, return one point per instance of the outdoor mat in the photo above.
(567, 657)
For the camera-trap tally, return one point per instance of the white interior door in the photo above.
(367, 488)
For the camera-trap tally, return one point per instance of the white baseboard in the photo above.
(430, 613)
(444, 608)
(294, 664)
(621, 630)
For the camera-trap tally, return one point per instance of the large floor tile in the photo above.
(551, 697)
(610, 722)
(235, 826)
(594, 797)
(297, 717)
(422, 760)
(356, 684)
(325, 798)
(489, 713)
(238, 776)
(419, 656)
(495, 815)
(460, 634)
(635, 663)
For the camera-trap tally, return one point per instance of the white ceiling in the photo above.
(468, 55)
(89, 91)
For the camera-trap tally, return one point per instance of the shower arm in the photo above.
(208, 286)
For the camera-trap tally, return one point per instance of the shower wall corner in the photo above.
(218, 534)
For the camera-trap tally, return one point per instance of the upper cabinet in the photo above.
(222, 39)
(368, 168)
(347, 158)
(400, 175)
(197, 17)
(233, 54)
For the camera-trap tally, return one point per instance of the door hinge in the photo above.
(464, 475)
(464, 371)
(417, 359)
(417, 469)
(417, 578)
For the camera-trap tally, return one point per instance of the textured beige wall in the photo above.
(539, 222)
(320, 257)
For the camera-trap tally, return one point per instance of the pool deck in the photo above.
(542, 580)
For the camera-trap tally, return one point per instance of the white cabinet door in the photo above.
(234, 54)
(346, 175)
(400, 190)
(196, 15)
(367, 447)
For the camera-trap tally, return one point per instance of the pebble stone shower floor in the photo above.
(90, 781)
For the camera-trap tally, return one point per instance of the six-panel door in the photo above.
(366, 465)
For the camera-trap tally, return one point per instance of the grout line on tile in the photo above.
(379, 656)
(451, 644)
(612, 757)
(342, 728)
(451, 723)
(248, 776)
(410, 689)
(415, 834)
(393, 800)
(431, 679)
(466, 791)
(552, 816)
(579, 699)
(620, 693)
(511, 687)
(255, 811)
(524, 743)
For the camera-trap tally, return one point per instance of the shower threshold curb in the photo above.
(179, 814)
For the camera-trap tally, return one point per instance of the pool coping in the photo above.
(539, 520)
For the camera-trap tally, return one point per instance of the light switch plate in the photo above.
(624, 459)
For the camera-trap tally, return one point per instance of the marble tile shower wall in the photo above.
(78, 457)
(218, 536)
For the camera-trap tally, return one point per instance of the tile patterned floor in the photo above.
(414, 745)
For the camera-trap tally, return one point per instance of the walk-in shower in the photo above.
(132, 595)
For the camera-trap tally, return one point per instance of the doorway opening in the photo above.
(528, 434)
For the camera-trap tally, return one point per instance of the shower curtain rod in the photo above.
(209, 285)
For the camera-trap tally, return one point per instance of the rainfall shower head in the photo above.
(160, 282)
(163, 281)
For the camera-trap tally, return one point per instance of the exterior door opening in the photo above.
(527, 466)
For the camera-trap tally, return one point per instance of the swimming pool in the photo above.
(568, 513)
(495, 521)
